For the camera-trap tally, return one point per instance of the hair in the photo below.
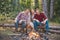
(36, 9)
(31, 11)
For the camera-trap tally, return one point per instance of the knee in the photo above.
(47, 22)
(34, 21)
(23, 24)
(31, 24)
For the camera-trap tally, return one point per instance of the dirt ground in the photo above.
(18, 37)
(4, 35)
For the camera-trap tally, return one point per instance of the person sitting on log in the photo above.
(39, 19)
(23, 18)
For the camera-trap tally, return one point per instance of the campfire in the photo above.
(34, 35)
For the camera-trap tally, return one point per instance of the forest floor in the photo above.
(4, 32)
(5, 35)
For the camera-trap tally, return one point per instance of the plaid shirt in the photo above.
(22, 16)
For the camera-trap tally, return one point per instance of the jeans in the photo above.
(47, 26)
(36, 24)
(23, 24)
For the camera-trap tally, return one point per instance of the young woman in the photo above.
(24, 19)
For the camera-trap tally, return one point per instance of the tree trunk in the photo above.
(44, 5)
(32, 4)
(36, 4)
(40, 5)
(51, 8)
(18, 6)
(15, 4)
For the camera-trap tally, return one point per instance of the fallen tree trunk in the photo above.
(52, 29)
(7, 25)
(55, 31)
(13, 25)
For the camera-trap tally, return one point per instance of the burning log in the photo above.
(34, 36)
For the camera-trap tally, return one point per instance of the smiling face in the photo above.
(37, 11)
(27, 11)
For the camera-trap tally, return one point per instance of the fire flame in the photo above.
(34, 34)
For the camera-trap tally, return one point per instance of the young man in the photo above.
(39, 19)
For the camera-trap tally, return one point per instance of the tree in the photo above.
(40, 5)
(36, 4)
(15, 4)
(51, 9)
(29, 4)
(32, 4)
(44, 5)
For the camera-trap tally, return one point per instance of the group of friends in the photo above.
(32, 17)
